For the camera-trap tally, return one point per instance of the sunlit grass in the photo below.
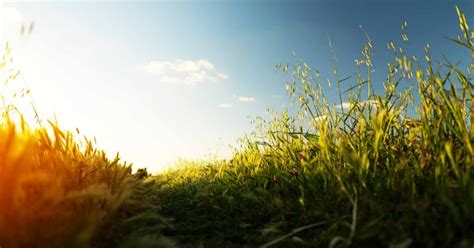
(359, 170)
(56, 188)
(363, 171)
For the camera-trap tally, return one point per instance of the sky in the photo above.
(161, 80)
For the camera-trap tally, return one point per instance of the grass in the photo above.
(364, 173)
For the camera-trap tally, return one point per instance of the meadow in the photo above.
(383, 169)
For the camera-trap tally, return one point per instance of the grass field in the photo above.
(393, 169)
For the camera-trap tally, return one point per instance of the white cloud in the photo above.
(246, 99)
(225, 105)
(189, 72)
(344, 105)
(347, 105)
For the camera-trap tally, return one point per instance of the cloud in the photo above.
(236, 101)
(188, 72)
(365, 104)
(344, 105)
(246, 99)
(225, 105)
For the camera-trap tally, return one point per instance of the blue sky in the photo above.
(161, 80)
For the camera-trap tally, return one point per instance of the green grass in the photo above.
(368, 174)
(364, 175)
